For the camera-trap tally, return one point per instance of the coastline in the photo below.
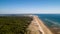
(38, 24)
(44, 27)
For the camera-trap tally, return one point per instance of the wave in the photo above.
(56, 23)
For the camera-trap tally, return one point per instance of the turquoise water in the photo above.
(51, 20)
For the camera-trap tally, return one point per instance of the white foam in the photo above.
(56, 23)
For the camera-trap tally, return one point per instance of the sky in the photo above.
(29, 6)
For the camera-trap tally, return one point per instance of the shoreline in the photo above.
(44, 27)
(39, 26)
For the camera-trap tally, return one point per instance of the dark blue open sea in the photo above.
(52, 21)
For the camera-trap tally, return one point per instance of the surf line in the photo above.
(56, 23)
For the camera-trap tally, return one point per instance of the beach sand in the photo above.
(38, 27)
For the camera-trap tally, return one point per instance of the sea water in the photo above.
(52, 21)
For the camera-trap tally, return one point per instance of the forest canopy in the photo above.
(14, 24)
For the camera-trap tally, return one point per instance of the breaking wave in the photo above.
(56, 23)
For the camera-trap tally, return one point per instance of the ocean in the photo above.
(52, 21)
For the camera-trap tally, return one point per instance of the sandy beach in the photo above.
(38, 27)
